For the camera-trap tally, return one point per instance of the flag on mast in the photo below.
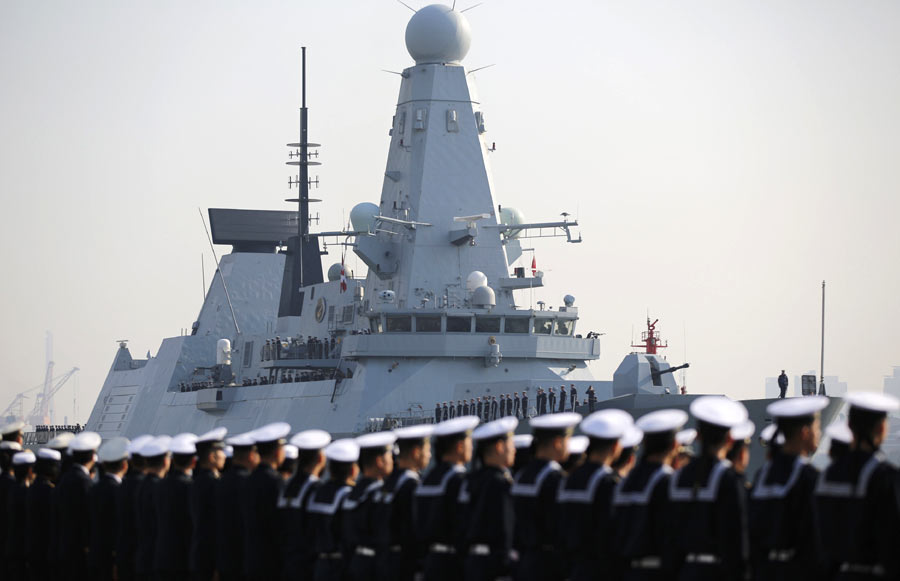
(343, 276)
(533, 265)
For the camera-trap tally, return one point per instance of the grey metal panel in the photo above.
(238, 227)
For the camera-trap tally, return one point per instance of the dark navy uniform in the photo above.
(585, 520)
(7, 484)
(174, 526)
(325, 520)
(857, 500)
(640, 504)
(104, 523)
(126, 538)
(145, 522)
(230, 523)
(782, 520)
(708, 528)
(202, 558)
(534, 496)
(15, 527)
(262, 544)
(39, 525)
(359, 529)
(489, 519)
(436, 521)
(398, 545)
(74, 520)
(297, 548)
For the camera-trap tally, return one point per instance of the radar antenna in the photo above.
(650, 340)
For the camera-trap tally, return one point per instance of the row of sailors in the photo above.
(297, 348)
(75, 428)
(489, 408)
(375, 517)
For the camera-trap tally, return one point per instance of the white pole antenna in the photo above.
(408, 6)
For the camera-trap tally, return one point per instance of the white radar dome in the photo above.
(511, 217)
(334, 272)
(362, 216)
(475, 279)
(438, 34)
(483, 296)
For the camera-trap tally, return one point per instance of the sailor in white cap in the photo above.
(262, 544)
(23, 469)
(173, 510)
(486, 503)
(841, 437)
(13, 432)
(230, 508)
(126, 499)
(534, 496)
(523, 451)
(708, 491)
(396, 529)
(299, 553)
(577, 449)
(72, 494)
(627, 458)
(585, 497)
(685, 440)
(436, 498)
(39, 513)
(739, 454)
(113, 458)
(287, 468)
(857, 497)
(156, 458)
(210, 463)
(324, 511)
(375, 463)
(61, 442)
(640, 500)
(781, 493)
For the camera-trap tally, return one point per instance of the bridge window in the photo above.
(428, 324)
(459, 324)
(399, 323)
(487, 324)
(516, 325)
(542, 325)
(375, 325)
(564, 326)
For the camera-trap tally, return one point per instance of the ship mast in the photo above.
(650, 340)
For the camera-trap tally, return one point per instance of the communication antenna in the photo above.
(410, 7)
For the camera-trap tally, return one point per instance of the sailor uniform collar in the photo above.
(366, 488)
(532, 489)
(441, 487)
(296, 500)
(826, 486)
(329, 507)
(765, 490)
(587, 494)
(621, 497)
(387, 495)
(707, 493)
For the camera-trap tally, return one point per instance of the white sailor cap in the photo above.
(242, 440)
(376, 440)
(61, 441)
(521, 441)
(135, 446)
(578, 444)
(560, 421)
(839, 432)
(743, 431)
(419, 432)
(229, 451)
(86, 442)
(311, 439)
(23, 458)
(872, 402)
(766, 435)
(183, 444)
(12, 428)
(632, 437)
(114, 450)
(346, 450)
(686, 437)
(719, 410)
(49, 454)
(291, 452)
(455, 426)
(10, 445)
(495, 429)
(662, 421)
(274, 432)
(214, 436)
(156, 447)
(797, 407)
(608, 424)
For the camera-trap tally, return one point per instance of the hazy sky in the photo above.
(723, 158)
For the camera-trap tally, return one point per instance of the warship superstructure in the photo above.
(439, 317)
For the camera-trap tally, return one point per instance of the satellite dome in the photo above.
(438, 34)
(483, 296)
(362, 216)
(475, 279)
(568, 299)
(334, 272)
(511, 217)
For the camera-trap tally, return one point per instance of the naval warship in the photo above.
(440, 315)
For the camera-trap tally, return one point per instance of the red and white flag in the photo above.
(343, 276)
(533, 266)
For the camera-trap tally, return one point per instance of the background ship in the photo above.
(438, 317)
